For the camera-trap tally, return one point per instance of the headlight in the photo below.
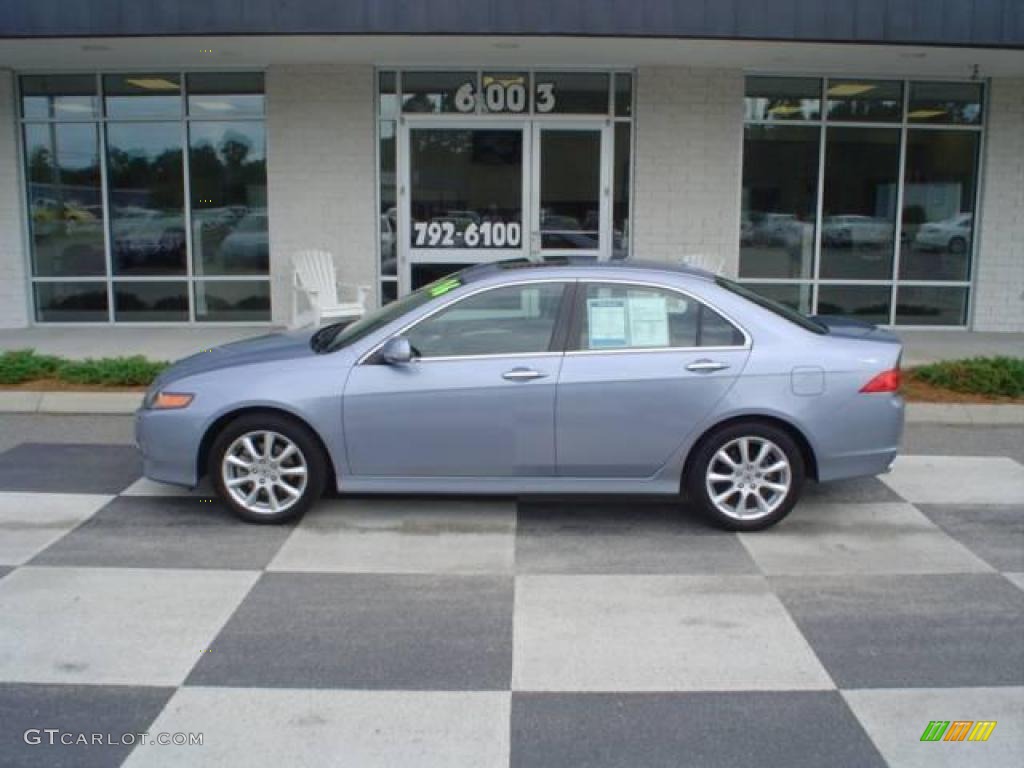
(165, 401)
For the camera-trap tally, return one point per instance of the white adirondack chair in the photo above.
(705, 262)
(316, 279)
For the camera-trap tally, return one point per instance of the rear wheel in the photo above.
(268, 468)
(747, 476)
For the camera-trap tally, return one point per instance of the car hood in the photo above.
(262, 349)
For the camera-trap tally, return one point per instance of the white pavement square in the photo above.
(146, 487)
(859, 538)
(895, 719)
(402, 536)
(657, 633)
(124, 626)
(30, 522)
(957, 480)
(369, 729)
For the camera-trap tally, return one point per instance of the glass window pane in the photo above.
(512, 320)
(439, 92)
(232, 301)
(387, 93)
(146, 194)
(796, 296)
(570, 93)
(388, 199)
(623, 94)
(227, 162)
(143, 95)
(65, 199)
(858, 228)
(505, 92)
(620, 191)
(865, 100)
(222, 94)
(780, 198)
(71, 302)
(927, 305)
(388, 292)
(869, 303)
(945, 103)
(150, 302)
(62, 97)
(939, 191)
(570, 189)
(466, 189)
(716, 331)
(424, 274)
(636, 317)
(783, 98)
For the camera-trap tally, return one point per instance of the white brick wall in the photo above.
(13, 304)
(321, 170)
(999, 291)
(689, 125)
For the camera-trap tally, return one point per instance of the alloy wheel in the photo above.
(748, 478)
(265, 472)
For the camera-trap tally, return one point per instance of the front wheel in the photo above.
(268, 468)
(746, 477)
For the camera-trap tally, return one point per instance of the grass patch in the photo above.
(21, 366)
(988, 376)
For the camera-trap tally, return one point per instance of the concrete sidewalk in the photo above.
(25, 401)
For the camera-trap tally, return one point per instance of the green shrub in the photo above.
(977, 376)
(21, 365)
(18, 365)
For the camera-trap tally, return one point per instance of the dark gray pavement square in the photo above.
(933, 631)
(69, 468)
(710, 729)
(73, 709)
(166, 532)
(366, 632)
(995, 533)
(593, 537)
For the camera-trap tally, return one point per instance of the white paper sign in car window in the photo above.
(606, 324)
(648, 320)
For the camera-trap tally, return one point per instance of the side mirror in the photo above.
(396, 351)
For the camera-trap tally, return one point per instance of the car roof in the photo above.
(584, 266)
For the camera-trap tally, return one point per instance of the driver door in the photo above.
(478, 400)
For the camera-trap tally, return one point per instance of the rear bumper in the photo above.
(864, 440)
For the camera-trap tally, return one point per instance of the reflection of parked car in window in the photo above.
(779, 229)
(952, 234)
(147, 239)
(248, 244)
(856, 231)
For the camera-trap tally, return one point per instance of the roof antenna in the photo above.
(974, 72)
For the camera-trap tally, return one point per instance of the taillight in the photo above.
(886, 381)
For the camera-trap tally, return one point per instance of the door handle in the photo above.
(706, 366)
(523, 374)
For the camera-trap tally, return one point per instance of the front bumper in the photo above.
(169, 443)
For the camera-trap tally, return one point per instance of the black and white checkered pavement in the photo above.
(397, 632)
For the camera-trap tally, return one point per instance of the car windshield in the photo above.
(773, 306)
(336, 336)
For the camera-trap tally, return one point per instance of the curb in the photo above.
(27, 401)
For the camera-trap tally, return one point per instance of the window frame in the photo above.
(556, 341)
(572, 342)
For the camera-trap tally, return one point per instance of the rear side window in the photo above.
(772, 306)
(614, 316)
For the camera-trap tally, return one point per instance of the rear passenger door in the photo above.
(644, 365)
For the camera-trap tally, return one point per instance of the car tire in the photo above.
(710, 476)
(266, 490)
(957, 246)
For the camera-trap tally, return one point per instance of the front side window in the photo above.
(639, 317)
(516, 319)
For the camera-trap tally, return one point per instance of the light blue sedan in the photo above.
(521, 377)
